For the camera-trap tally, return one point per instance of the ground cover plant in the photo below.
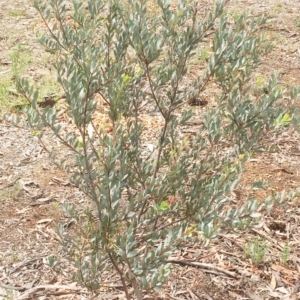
(150, 202)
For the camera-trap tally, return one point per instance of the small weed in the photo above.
(11, 193)
(285, 255)
(204, 54)
(292, 48)
(276, 37)
(20, 59)
(297, 22)
(48, 86)
(278, 8)
(13, 256)
(8, 294)
(56, 211)
(296, 198)
(255, 250)
(17, 12)
(5, 84)
(235, 15)
(260, 81)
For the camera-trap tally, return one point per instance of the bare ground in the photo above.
(32, 189)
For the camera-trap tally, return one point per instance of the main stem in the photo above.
(120, 273)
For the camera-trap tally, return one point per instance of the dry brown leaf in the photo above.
(273, 282)
(44, 221)
(253, 296)
(41, 201)
(283, 269)
(22, 211)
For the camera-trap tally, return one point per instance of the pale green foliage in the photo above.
(148, 203)
(8, 294)
(11, 193)
(255, 250)
(20, 59)
(285, 255)
(19, 63)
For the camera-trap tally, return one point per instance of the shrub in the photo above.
(135, 56)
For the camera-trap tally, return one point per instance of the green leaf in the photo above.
(283, 120)
(164, 206)
(132, 254)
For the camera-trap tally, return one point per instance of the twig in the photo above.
(10, 287)
(25, 262)
(10, 184)
(231, 240)
(30, 292)
(204, 266)
(253, 296)
(274, 242)
(175, 298)
(205, 295)
(192, 293)
(230, 254)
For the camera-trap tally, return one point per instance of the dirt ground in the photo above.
(32, 189)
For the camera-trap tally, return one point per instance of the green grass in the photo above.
(20, 58)
(297, 22)
(5, 84)
(11, 193)
(278, 8)
(285, 255)
(17, 12)
(8, 294)
(255, 250)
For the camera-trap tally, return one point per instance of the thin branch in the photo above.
(120, 273)
(204, 266)
(29, 294)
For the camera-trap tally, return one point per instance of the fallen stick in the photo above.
(33, 290)
(274, 242)
(204, 266)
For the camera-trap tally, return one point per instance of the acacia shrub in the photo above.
(136, 55)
